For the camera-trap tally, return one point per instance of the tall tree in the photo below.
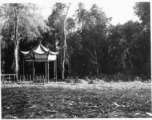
(65, 44)
(21, 21)
(92, 26)
(142, 10)
(58, 21)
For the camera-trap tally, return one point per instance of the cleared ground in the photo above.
(80, 100)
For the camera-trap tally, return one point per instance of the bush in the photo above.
(68, 80)
(91, 81)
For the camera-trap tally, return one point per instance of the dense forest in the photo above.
(94, 46)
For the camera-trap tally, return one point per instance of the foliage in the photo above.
(58, 20)
(94, 46)
(142, 9)
(108, 49)
(28, 27)
(92, 23)
(30, 22)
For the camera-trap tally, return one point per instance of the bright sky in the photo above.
(121, 11)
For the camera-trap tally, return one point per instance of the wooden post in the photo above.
(56, 69)
(23, 79)
(36, 78)
(2, 78)
(30, 79)
(9, 79)
(48, 70)
(19, 76)
(23, 66)
(33, 70)
(43, 79)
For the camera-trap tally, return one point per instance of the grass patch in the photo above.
(106, 100)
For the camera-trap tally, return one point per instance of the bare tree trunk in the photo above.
(64, 48)
(16, 43)
(63, 63)
(96, 58)
(16, 58)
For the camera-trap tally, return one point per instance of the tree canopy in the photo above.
(21, 22)
(94, 46)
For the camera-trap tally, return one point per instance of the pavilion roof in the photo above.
(40, 53)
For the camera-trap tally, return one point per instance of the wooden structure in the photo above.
(22, 79)
(41, 54)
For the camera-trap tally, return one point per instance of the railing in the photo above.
(23, 79)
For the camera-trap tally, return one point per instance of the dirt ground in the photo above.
(77, 100)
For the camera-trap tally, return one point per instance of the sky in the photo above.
(121, 11)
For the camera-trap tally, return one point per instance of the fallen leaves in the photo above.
(51, 111)
(40, 102)
(33, 106)
(118, 105)
(10, 117)
(150, 114)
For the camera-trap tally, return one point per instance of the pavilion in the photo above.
(41, 54)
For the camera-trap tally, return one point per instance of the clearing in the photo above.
(80, 100)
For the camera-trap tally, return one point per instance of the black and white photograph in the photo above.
(63, 59)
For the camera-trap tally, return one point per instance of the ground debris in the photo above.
(33, 106)
(150, 114)
(117, 105)
(10, 117)
(58, 102)
(51, 111)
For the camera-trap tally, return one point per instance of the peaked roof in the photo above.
(40, 49)
(40, 53)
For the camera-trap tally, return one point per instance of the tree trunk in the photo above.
(63, 63)
(16, 43)
(16, 58)
(96, 58)
(64, 46)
